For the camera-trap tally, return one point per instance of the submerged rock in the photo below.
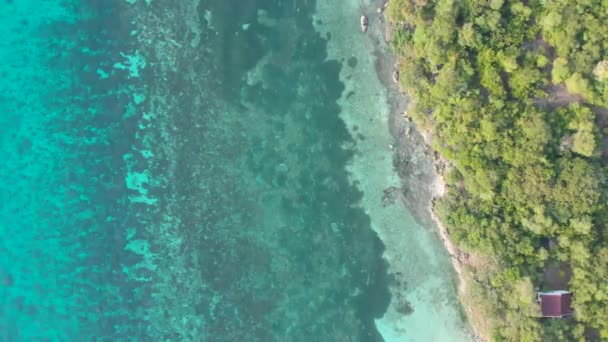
(390, 195)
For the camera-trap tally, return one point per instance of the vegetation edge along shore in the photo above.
(515, 97)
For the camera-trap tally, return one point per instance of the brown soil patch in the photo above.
(557, 276)
(558, 96)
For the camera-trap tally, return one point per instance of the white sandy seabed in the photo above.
(425, 279)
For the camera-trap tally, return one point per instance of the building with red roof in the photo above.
(555, 303)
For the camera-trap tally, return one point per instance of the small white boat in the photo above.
(364, 23)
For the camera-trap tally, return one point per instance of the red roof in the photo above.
(555, 304)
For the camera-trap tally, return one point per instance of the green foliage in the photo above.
(584, 143)
(490, 73)
(577, 84)
(577, 31)
(524, 170)
(526, 81)
(601, 71)
(585, 139)
(560, 70)
(582, 225)
(468, 36)
(576, 191)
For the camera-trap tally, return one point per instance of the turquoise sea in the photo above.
(205, 170)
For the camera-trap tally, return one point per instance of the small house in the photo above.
(555, 303)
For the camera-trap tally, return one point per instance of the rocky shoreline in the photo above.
(419, 166)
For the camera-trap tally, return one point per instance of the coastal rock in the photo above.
(388, 32)
(364, 23)
(407, 130)
(396, 76)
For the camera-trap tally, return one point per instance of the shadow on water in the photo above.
(272, 65)
(274, 243)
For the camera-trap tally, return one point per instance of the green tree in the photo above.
(490, 76)
(584, 142)
(578, 84)
(468, 36)
(560, 70)
(577, 188)
(525, 82)
(601, 71)
(583, 123)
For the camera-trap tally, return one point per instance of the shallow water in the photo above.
(202, 170)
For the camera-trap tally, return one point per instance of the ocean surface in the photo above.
(205, 170)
